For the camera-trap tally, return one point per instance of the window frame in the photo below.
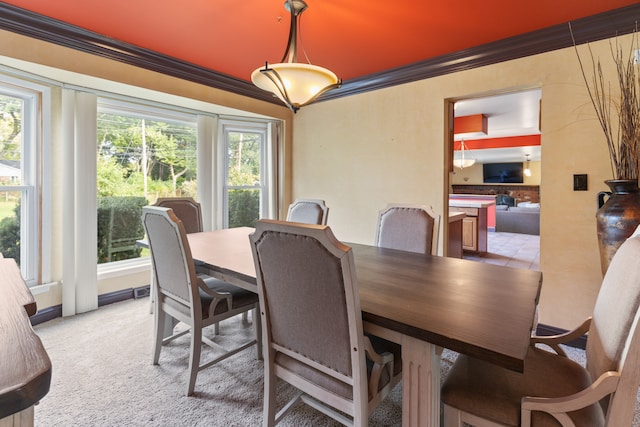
(137, 108)
(227, 126)
(35, 185)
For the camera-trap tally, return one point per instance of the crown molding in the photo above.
(30, 24)
(593, 28)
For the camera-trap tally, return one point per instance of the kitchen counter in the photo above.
(471, 203)
(480, 216)
(454, 248)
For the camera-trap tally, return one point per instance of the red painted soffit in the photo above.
(507, 142)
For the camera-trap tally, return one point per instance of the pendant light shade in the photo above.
(459, 159)
(527, 169)
(296, 84)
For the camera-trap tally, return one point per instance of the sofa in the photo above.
(524, 218)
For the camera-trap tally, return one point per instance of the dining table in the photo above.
(25, 367)
(425, 303)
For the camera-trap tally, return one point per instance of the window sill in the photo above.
(123, 268)
(43, 288)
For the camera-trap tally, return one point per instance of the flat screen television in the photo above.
(507, 173)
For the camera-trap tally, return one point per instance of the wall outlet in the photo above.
(636, 56)
(141, 292)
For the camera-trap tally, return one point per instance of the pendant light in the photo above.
(296, 84)
(459, 159)
(527, 169)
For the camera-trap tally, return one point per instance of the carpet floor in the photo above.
(102, 376)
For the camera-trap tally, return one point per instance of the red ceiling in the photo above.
(352, 38)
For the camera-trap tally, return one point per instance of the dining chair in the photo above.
(554, 390)
(407, 227)
(190, 213)
(312, 325)
(308, 211)
(187, 209)
(186, 297)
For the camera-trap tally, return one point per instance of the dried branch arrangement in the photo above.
(617, 108)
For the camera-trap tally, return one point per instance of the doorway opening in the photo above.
(494, 159)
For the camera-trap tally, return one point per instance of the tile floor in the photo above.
(512, 250)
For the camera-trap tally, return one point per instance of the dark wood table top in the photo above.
(482, 310)
(25, 368)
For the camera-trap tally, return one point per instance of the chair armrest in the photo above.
(218, 297)
(554, 341)
(559, 406)
(380, 361)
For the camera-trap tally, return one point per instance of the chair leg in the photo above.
(269, 415)
(451, 417)
(158, 332)
(257, 325)
(194, 359)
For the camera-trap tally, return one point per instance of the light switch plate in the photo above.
(580, 182)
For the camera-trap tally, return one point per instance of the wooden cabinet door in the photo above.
(470, 233)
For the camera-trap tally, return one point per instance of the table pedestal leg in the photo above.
(420, 383)
(23, 418)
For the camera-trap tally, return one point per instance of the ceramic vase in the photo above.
(617, 217)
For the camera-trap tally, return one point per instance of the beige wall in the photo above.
(361, 152)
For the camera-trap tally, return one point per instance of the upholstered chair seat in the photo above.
(239, 297)
(495, 393)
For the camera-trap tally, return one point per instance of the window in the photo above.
(143, 153)
(21, 122)
(246, 187)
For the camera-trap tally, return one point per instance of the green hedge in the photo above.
(244, 208)
(10, 235)
(119, 226)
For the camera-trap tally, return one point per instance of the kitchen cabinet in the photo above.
(474, 224)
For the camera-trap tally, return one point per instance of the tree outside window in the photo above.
(140, 158)
(11, 110)
(244, 177)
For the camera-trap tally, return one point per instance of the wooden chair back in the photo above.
(187, 209)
